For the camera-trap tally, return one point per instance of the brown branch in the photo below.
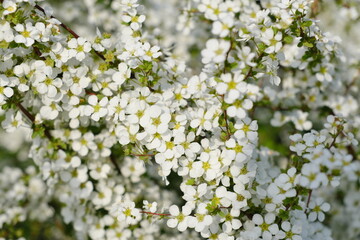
(72, 32)
(315, 8)
(251, 68)
(62, 24)
(48, 135)
(339, 131)
(290, 205)
(353, 81)
(228, 134)
(26, 112)
(113, 160)
(157, 214)
(308, 200)
(142, 155)
(227, 125)
(227, 54)
(37, 52)
(352, 152)
(31, 117)
(334, 140)
(350, 149)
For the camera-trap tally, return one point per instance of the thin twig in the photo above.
(228, 134)
(290, 205)
(227, 54)
(31, 117)
(157, 214)
(142, 155)
(113, 160)
(72, 32)
(335, 137)
(308, 200)
(26, 112)
(38, 52)
(315, 8)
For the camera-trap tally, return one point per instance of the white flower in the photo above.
(105, 85)
(12, 121)
(223, 26)
(197, 84)
(203, 120)
(317, 208)
(103, 196)
(21, 71)
(82, 144)
(127, 134)
(201, 219)
(272, 40)
(289, 177)
(122, 75)
(231, 86)
(192, 194)
(9, 6)
(150, 52)
(155, 120)
(126, 211)
(222, 197)
(132, 169)
(239, 107)
(300, 120)
(134, 19)
(116, 108)
(266, 225)
(50, 85)
(78, 48)
(6, 31)
(246, 57)
(246, 128)
(311, 176)
(179, 219)
(59, 54)
(50, 111)
(27, 34)
(77, 79)
(65, 161)
(230, 220)
(152, 207)
(5, 90)
(291, 231)
(97, 109)
(98, 171)
(239, 150)
(215, 51)
(209, 166)
(242, 196)
(75, 176)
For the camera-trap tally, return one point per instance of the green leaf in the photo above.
(222, 214)
(261, 47)
(297, 207)
(307, 44)
(4, 44)
(284, 215)
(288, 39)
(190, 181)
(38, 131)
(306, 24)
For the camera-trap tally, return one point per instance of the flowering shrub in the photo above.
(196, 119)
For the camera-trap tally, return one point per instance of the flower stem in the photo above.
(157, 214)
(72, 32)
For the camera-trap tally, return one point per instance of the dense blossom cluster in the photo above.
(157, 129)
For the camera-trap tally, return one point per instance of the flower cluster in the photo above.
(229, 122)
(23, 199)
